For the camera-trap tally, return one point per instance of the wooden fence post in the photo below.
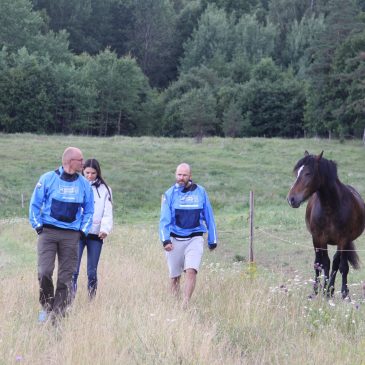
(251, 255)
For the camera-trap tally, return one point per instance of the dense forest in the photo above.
(287, 68)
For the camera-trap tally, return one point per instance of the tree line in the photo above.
(285, 68)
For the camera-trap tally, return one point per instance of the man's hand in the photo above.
(212, 246)
(168, 247)
(39, 230)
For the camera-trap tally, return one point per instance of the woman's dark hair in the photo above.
(94, 164)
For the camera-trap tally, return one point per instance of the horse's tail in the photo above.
(352, 256)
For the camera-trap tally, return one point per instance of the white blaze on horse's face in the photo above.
(300, 170)
(298, 174)
(293, 198)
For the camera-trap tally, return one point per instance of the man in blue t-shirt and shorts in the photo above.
(186, 214)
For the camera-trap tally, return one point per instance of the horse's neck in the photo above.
(330, 194)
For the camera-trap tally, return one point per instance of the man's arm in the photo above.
(165, 220)
(210, 222)
(88, 210)
(36, 204)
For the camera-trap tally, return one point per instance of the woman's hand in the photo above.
(102, 235)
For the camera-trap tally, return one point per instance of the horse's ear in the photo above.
(306, 153)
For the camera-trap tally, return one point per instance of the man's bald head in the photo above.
(72, 160)
(184, 166)
(69, 153)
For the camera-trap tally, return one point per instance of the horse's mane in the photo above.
(327, 168)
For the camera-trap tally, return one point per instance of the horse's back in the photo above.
(357, 196)
(359, 208)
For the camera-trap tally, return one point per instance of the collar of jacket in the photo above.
(191, 187)
(96, 182)
(65, 176)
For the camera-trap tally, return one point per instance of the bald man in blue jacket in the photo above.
(60, 211)
(186, 214)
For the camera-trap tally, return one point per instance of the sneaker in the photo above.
(73, 291)
(42, 316)
(92, 293)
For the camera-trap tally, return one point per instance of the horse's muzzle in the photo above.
(294, 203)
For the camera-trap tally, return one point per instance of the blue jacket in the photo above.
(184, 212)
(62, 200)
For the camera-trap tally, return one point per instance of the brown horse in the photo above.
(335, 215)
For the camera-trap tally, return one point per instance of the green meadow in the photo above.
(239, 314)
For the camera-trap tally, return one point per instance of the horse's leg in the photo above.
(321, 262)
(326, 264)
(335, 266)
(317, 270)
(344, 270)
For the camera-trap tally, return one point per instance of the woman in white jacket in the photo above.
(101, 227)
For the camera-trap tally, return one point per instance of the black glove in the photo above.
(39, 230)
(212, 246)
(165, 243)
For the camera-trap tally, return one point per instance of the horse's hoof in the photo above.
(315, 288)
(330, 292)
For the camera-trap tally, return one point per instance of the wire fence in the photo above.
(302, 245)
(152, 223)
(24, 198)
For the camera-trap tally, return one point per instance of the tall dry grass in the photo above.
(235, 317)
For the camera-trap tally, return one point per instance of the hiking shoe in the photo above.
(42, 316)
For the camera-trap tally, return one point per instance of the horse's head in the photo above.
(307, 179)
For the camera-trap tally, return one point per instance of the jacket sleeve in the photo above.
(88, 210)
(107, 219)
(165, 219)
(36, 203)
(209, 220)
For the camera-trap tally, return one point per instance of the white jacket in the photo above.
(103, 210)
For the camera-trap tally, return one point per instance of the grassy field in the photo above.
(237, 316)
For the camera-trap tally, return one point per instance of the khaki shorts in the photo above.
(186, 254)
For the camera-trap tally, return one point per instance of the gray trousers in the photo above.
(64, 245)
